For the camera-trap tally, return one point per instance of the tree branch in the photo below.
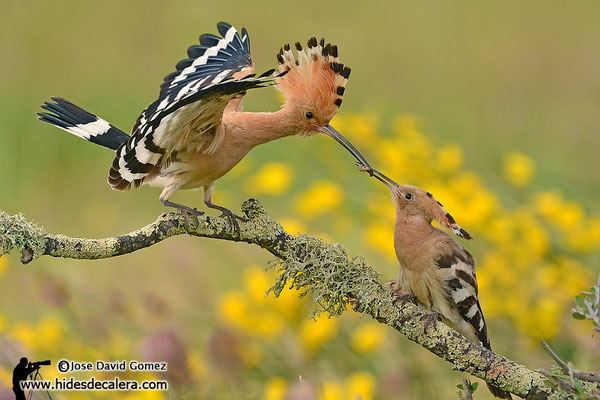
(567, 369)
(307, 264)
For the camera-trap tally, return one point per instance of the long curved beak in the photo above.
(329, 131)
(393, 186)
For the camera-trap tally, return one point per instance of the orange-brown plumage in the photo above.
(196, 131)
(433, 267)
(314, 81)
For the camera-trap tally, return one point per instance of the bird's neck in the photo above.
(409, 232)
(253, 129)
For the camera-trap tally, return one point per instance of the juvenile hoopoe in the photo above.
(196, 132)
(434, 268)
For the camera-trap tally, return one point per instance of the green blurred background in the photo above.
(492, 77)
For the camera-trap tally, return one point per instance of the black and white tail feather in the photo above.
(463, 292)
(67, 116)
(190, 104)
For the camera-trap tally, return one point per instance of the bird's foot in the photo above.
(404, 297)
(233, 219)
(194, 213)
(432, 318)
(186, 212)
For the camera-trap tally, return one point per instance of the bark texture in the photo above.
(306, 263)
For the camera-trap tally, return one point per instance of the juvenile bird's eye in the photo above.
(408, 196)
(309, 115)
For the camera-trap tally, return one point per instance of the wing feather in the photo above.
(190, 105)
(462, 289)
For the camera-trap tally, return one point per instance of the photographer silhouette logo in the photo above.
(23, 370)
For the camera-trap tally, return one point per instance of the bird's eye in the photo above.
(308, 115)
(408, 196)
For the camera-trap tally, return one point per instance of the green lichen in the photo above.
(17, 233)
(325, 270)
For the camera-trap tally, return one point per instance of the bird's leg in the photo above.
(227, 213)
(184, 211)
(432, 318)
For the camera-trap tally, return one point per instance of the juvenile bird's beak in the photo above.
(329, 131)
(393, 186)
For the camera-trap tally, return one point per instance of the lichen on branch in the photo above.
(306, 263)
(325, 270)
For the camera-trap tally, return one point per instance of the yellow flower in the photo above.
(289, 305)
(5, 377)
(381, 238)
(501, 230)
(450, 158)
(266, 324)
(544, 322)
(361, 128)
(533, 238)
(273, 178)
(50, 333)
(361, 386)
(119, 345)
(405, 123)
(368, 338)
(24, 332)
(332, 390)
(257, 283)
(548, 204)
(571, 217)
(574, 277)
(395, 160)
(417, 146)
(320, 198)
(519, 169)
(585, 239)
(233, 308)
(275, 388)
(292, 225)
(145, 395)
(315, 334)
(2, 323)
(196, 365)
(3, 265)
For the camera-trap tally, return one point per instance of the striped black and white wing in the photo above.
(458, 268)
(189, 107)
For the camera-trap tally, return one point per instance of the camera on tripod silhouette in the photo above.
(38, 364)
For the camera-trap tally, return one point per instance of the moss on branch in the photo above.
(306, 263)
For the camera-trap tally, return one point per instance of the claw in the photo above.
(185, 210)
(404, 297)
(231, 217)
(195, 213)
(434, 317)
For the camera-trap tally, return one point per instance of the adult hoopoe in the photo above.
(195, 132)
(433, 267)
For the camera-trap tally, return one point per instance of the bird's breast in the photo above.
(196, 169)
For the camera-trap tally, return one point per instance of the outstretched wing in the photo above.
(189, 107)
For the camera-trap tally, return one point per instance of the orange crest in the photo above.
(315, 78)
